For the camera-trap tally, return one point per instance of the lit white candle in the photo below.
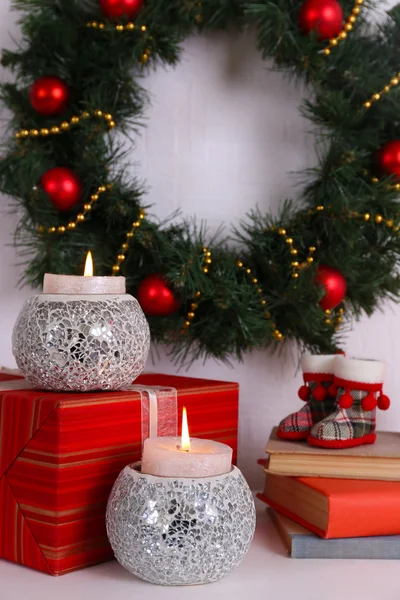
(185, 456)
(83, 285)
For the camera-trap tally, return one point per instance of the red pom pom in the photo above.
(304, 393)
(49, 96)
(156, 297)
(332, 390)
(63, 187)
(335, 286)
(320, 393)
(383, 402)
(369, 402)
(325, 17)
(388, 158)
(346, 401)
(116, 9)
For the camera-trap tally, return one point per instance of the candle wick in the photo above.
(181, 449)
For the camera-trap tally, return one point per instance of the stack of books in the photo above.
(335, 503)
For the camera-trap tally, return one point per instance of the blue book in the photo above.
(301, 543)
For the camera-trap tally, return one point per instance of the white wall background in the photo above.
(223, 135)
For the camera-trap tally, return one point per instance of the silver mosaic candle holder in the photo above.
(172, 531)
(81, 343)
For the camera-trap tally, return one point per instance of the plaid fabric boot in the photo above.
(359, 392)
(318, 395)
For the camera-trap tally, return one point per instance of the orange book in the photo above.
(337, 508)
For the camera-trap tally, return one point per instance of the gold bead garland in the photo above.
(334, 320)
(394, 82)
(377, 96)
(278, 336)
(121, 28)
(393, 186)
(80, 217)
(125, 246)
(338, 319)
(310, 258)
(66, 125)
(296, 266)
(378, 219)
(199, 17)
(207, 261)
(328, 320)
(348, 26)
(191, 314)
(145, 56)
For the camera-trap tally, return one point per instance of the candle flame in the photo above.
(185, 432)
(89, 265)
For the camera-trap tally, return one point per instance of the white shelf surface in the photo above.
(265, 573)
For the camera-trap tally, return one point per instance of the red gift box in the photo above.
(60, 454)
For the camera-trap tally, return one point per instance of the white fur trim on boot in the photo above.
(360, 370)
(318, 363)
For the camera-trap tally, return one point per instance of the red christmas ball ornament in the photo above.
(388, 158)
(335, 286)
(156, 297)
(325, 17)
(115, 9)
(63, 187)
(49, 96)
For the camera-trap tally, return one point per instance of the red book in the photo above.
(337, 508)
(60, 454)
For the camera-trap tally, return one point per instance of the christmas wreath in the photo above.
(299, 275)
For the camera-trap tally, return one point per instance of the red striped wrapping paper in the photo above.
(60, 454)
